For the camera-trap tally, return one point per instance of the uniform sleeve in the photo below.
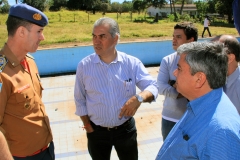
(164, 88)
(80, 93)
(4, 94)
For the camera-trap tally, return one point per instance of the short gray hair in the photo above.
(114, 28)
(209, 58)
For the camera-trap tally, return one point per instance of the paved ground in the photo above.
(70, 139)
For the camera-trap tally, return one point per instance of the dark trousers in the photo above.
(124, 139)
(206, 28)
(166, 127)
(47, 154)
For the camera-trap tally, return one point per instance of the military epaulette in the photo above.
(30, 56)
(3, 62)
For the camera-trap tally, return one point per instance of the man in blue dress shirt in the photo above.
(105, 94)
(210, 128)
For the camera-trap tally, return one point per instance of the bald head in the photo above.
(224, 38)
(232, 45)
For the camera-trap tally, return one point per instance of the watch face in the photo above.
(140, 98)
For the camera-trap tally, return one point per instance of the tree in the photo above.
(36, 3)
(225, 7)
(174, 11)
(4, 6)
(127, 6)
(60, 3)
(74, 4)
(139, 5)
(211, 6)
(170, 1)
(156, 3)
(116, 7)
(181, 10)
(90, 4)
(104, 7)
(202, 9)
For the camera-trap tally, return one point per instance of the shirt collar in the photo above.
(201, 104)
(232, 78)
(12, 59)
(119, 58)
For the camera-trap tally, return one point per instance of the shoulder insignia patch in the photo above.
(3, 62)
(30, 56)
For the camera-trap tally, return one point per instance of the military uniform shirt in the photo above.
(23, 119)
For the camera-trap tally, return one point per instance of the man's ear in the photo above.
(191, 39)
(200, 79)
(21, 31)
(231, 58)
(116, 38)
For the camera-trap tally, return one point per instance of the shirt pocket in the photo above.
(25, 99)
(130, 88)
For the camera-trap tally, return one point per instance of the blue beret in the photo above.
(28, 13)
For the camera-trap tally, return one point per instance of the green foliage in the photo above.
(41, 5)
(139, 5)
(4, 6)
(156, 3)
(75, 5)
(171, 17)
(75, 27)
(185, 17)
(211, 6)
(116, 7)
(223, 7)
(201, 7)
(127, 6)
(105, 7)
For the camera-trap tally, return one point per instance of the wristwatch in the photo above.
(139, 98)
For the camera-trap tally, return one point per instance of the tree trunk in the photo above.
(181, 10)
(174, 10)
(230, 20)
(171, 5)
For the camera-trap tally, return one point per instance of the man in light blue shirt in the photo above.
(232, 87)
(210, 128)
(105, 94)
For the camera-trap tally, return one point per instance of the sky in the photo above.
(12, 2)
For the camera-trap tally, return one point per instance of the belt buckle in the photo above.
(109, 128)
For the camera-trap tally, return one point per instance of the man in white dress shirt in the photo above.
(105, 94)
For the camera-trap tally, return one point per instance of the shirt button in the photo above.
(27, 106)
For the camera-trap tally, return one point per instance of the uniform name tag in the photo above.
(23, 88)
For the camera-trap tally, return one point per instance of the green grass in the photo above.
(76, 27)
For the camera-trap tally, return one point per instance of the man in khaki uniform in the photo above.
(23, 119)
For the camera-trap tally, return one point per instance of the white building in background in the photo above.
(190, 9)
